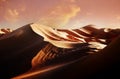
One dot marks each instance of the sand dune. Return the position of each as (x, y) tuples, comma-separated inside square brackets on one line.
[(104, 64), (18, 48)]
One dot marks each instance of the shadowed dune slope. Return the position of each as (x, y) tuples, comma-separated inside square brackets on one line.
[(17, 50)]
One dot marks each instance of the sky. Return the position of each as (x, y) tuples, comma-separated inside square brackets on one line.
[(60, 13)]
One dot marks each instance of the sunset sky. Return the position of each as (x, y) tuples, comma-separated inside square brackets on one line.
[(60, 13)]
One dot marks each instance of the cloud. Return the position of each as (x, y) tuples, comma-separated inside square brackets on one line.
[(11, 15), (3, 0), (73, 1), (118, 17), (58, 14), (61, 14), (70, 14), (89, 13)]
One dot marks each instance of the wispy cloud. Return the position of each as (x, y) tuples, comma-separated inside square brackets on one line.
[(11, 15), (61, 14), (3, 0), (118, 17)]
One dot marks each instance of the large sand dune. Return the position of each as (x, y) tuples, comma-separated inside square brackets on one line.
[(18, 48)]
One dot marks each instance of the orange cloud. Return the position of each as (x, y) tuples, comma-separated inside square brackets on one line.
[(3, 0), (89, 13), (70, 14), (60, 15), (118, 17), (11, 15), (73, 0)]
